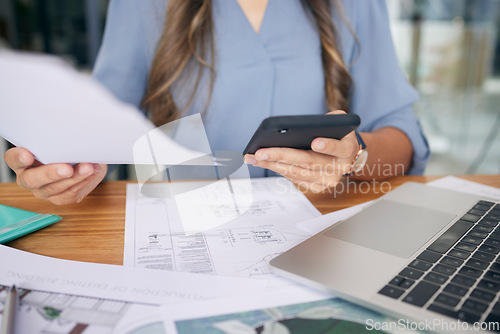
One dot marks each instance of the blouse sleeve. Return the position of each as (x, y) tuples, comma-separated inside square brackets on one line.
[(121, 64), (382, 96)]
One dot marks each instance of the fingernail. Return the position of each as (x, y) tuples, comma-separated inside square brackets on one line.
[(85, 170), (319, 145), (250, 160), (262, 156), (22, 160), (63, 172)]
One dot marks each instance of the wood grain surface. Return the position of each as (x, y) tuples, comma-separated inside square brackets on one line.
[(93, 230)]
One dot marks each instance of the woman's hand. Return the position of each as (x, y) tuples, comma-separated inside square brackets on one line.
[(58, 183), (314, 170)]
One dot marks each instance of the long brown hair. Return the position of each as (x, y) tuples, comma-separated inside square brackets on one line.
[(186, 49)]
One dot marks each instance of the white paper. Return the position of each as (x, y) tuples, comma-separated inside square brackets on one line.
[(229, 240), (42, 312), (63, 116), (30, 271), (458, 184)]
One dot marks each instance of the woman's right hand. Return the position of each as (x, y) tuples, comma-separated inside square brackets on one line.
[(57, 183)]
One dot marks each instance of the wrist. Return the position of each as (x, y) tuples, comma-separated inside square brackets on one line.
[(361, 157)]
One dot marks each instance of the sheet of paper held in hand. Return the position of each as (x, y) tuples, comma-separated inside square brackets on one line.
[(229, 228), (63, 116), (59, 296)]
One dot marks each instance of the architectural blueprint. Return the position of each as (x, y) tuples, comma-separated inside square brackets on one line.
[(216, 230), (43, 312), (59, 296)]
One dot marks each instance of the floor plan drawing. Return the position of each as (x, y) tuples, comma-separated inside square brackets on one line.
[(232, 243), (42, 312)]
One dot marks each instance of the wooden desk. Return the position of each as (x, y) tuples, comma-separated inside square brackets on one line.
[(93, 230)]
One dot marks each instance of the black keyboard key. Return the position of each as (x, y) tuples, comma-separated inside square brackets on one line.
[(471, 272), (421, 293), (391, 291), (492, 242), (435, 278), (496, 308), (495, 266), (483, 256), (429, 256), (450, 237), (451, 261), (411, 273), (483, 228), (455, 290), (447, 300), (487, 204), (493, 216), (489, 249), (475, 306), (481, 207), (402, 282), (463, 280), (495, 234), (488, 285), (466, 247), (492, 276), (421, 265), (478, 264), (472, 240), (460, 315), (407, 283), (482, 295), (477, 234), (492, 322), (488, 222), (477, 212), (470, 218), (460, 254), (445, 270), (397, 280)]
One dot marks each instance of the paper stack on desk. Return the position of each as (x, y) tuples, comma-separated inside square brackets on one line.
[(60, 296)]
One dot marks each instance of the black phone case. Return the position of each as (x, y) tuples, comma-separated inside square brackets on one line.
[(299, 131)]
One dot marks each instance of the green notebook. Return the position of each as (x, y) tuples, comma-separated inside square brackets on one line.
[(15, 223)]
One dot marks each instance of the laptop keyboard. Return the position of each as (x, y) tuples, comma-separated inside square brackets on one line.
[(458, 275)]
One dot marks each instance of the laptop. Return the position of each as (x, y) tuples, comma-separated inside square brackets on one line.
[(418, 252)]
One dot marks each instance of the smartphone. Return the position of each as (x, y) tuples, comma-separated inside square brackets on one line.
[(299, 131)]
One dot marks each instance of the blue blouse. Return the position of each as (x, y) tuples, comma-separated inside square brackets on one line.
[(277, 71)]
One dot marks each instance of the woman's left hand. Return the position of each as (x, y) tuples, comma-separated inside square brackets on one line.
[(314, 170)]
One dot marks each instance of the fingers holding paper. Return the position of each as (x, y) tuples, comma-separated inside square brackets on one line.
[(57, 183), (84, 179)]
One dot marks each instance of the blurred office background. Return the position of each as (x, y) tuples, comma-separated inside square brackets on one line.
[(449, 49)]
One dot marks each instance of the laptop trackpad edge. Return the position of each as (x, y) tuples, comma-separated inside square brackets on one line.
[(392, 227)]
